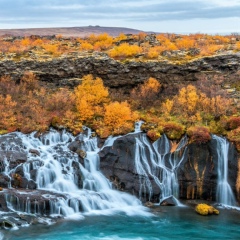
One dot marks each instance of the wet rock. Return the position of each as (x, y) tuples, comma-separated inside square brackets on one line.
[(81, 153), (4, 180), (33, 174), (6, 224), (31, 184), (149, 204), (20, 171), (34, 151), (170, 201), (23, 183)]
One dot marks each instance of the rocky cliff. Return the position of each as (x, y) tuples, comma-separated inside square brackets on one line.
[(190, 172), (68, 70)]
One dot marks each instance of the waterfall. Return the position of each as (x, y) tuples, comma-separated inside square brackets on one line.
[(69, 187), (224, 192), (155, 164)]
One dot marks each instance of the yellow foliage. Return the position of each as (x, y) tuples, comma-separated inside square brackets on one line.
[(120, 37), (167, 106), (187, 98), (53, 49), (185, 43), (238, 46), (204, 209), (125, 50), (85, 46), (90, 96), (118, 116)]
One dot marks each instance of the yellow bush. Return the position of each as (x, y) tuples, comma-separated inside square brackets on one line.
[(125, 50), (90, 97), (119, 117), (204, 209)]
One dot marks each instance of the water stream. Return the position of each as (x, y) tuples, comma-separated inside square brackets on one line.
[(225, 194), (58, 171)]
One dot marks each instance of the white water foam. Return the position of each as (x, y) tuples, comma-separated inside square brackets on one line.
[(56, 173)]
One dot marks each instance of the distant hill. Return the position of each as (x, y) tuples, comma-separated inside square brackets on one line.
[(69, 31)]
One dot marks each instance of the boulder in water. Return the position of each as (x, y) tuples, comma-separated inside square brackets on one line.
[(205, 209), (168, 201)]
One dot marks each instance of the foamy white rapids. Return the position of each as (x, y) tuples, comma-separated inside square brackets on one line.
[(56, 169)]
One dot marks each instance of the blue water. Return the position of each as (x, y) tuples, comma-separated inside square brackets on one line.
[(166, 223)]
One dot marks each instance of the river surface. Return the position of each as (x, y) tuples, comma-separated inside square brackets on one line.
[(165, 223)]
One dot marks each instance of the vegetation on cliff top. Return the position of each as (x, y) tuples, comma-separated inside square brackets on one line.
[(196, 110), (141, 46), (26, 106)]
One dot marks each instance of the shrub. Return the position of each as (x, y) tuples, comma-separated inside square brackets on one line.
[(118, 117), (124, 50), (146, 94), (90, 97), (199, 134), (173, 130), (153, 134), (234, 136), (233, 123)]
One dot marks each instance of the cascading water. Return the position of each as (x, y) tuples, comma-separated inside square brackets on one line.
[(225, 194), (69, 187), (158, 163)]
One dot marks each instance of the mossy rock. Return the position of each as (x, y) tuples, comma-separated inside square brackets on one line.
[(205, 209)]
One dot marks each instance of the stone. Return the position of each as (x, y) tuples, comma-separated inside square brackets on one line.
[(34, 151), (81, 153), (170, 201)]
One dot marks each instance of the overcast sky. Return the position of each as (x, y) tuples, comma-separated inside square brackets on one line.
[(185, 16)]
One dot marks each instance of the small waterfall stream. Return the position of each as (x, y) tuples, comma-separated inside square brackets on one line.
[(155, 161), (225, 194)]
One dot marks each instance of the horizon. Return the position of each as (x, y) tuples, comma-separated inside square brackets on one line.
[(121, 27)]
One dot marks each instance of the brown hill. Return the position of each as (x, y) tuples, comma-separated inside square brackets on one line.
[(68, 31)]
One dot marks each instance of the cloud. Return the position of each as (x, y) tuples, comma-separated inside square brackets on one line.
[(56, 12)]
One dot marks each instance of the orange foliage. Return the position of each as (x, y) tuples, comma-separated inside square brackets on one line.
[(147, 93), (185, 43), (142, 35), (8, 118), (199, 134), (52, 49)]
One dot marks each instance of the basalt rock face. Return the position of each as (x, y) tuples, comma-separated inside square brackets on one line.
[(198, 175), (117, 164), (68, 70), (195, 167)]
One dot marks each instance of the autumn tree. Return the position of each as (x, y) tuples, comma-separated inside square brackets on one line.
[(146, 94), (119, 118), (8, 117), (90, 98)]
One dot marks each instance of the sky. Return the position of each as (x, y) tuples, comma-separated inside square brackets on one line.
[(179, 16)]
